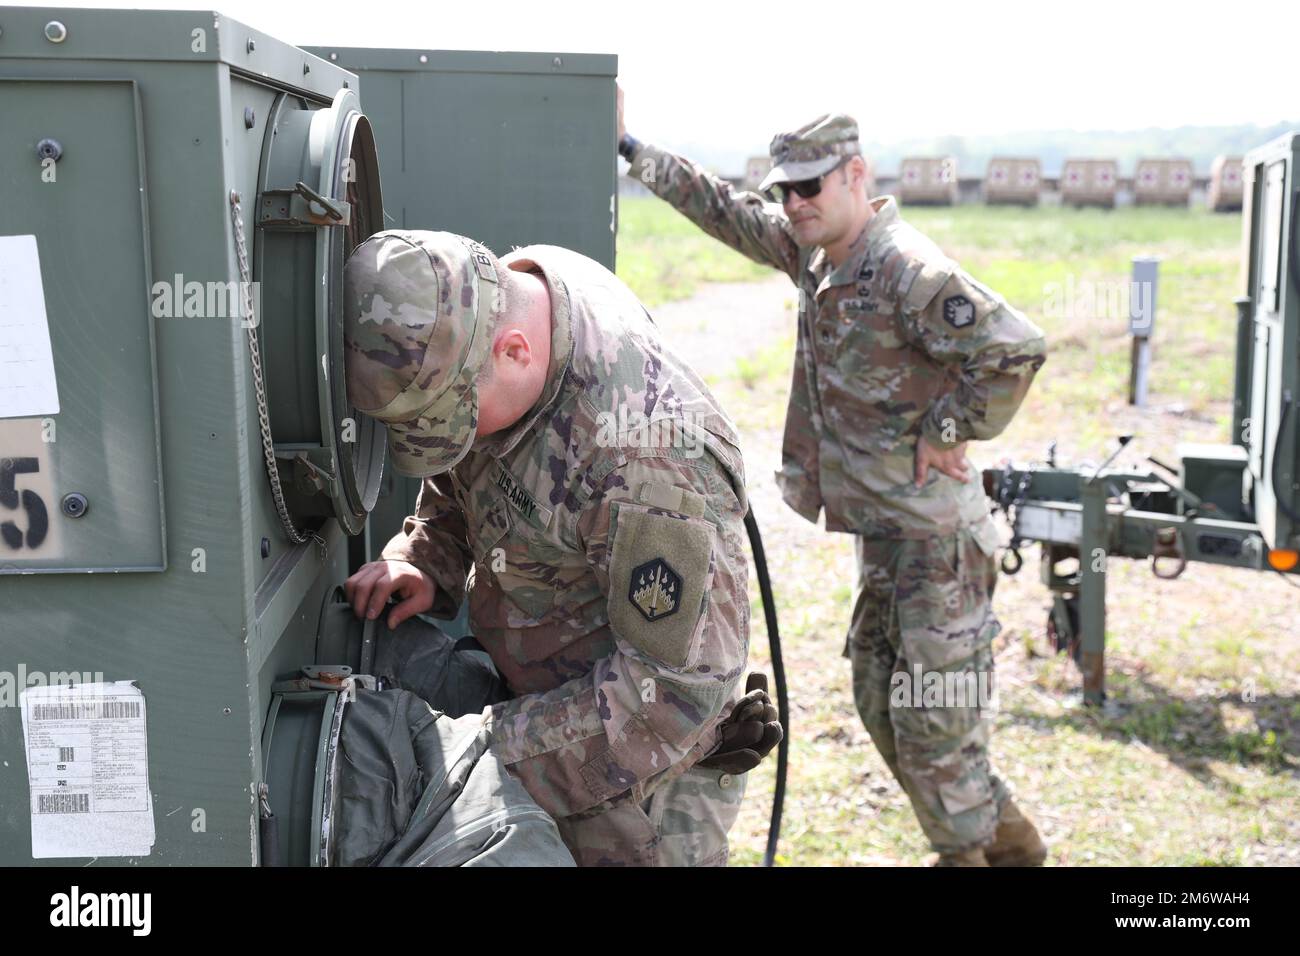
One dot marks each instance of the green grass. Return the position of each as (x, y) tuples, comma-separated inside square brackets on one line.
[(662, 256), (1044, 261)]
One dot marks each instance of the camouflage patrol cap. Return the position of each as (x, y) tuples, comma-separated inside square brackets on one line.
[(813, 149), (418, 309)]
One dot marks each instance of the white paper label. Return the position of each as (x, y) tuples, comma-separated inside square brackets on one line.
[(88, 770), (27, 385)]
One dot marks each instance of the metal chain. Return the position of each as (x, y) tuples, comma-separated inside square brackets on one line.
[(1010, 503), (259, 386)]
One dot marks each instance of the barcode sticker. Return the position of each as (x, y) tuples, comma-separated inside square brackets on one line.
[(87, 710), (88, 770), (63, 803)]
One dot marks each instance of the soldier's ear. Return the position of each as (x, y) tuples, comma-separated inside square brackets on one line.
[(855, 172), (513, 345)]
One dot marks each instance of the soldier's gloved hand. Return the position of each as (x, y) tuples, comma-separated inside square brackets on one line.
[(749, 733)]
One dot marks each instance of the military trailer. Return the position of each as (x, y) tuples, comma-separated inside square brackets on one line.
[(1162, 182), (1089, 182), (1235, 504), (1225, 193), (1013, 180), (756, 167), (928, 181), (183, 482)]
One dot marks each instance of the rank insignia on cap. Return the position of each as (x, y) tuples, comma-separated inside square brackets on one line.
[(656, 589), (958, 311)]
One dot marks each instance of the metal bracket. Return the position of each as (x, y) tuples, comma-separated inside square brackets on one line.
[(1168, 544), (301, 208), (311, 467)]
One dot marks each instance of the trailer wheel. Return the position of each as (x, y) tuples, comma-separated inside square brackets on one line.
[(1064, 633)]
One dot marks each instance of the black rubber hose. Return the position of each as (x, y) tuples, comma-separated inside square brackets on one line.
[(1277, 444), (1295, 249), (778, 676), (268, 832)]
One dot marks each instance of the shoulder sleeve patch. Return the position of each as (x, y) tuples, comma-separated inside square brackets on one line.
[(922, 281), (660, 571), (960, 304)]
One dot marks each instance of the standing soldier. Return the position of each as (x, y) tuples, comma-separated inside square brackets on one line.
[(596, 489), (901, 359)]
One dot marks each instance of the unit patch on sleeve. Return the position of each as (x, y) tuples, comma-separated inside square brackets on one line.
[(660, 574), (656, 589), (958, 311)]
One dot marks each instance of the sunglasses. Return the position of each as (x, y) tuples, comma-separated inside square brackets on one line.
[(804, 188)]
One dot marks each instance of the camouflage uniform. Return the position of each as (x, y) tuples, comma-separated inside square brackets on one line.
[(604, 534), (894, 343)]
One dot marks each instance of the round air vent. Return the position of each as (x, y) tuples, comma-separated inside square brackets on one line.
[(318, 197)]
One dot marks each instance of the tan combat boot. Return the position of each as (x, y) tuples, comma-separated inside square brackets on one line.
[(1016, 842), (973, 857)]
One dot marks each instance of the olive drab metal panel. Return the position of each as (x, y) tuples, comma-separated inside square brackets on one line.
[(1269, 434), (86, 486), (1016, 180), (185, 181), (1089, 182), (1162, 182), (928, 181), (508, 148), (1225, 184)]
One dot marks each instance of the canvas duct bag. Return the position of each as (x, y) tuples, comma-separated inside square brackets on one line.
[(420, 788), (417, 784)]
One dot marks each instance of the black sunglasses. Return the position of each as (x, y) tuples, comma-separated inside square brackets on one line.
[(804, 188)]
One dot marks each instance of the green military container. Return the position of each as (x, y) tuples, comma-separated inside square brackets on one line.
[(1268, 348), (509, 148), (183, 484), (172, 182)]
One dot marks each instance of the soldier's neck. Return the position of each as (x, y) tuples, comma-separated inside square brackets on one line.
[(838, 252)]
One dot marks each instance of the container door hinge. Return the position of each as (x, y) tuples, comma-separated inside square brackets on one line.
[(300, 208)]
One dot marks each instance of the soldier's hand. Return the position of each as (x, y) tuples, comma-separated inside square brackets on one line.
[(621, 127), (749, 733), (370, 588), (951, 462)]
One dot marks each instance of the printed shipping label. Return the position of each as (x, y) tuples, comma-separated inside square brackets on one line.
[(88, 770)]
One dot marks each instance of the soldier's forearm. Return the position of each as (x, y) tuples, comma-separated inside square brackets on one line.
[(437, 555), (742, 220), (575, 747), (986, 398)]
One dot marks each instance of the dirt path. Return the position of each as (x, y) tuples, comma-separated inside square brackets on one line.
[(712, 330)]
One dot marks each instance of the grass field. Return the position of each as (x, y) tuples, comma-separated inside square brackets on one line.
[(1196, 757)]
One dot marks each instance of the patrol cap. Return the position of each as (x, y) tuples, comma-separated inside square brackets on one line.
[(418, 309), (813, 149)]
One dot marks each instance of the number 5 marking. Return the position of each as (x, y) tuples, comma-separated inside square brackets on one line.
[(38, 519)]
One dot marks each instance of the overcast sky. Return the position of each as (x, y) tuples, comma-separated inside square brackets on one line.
[(713, 73)]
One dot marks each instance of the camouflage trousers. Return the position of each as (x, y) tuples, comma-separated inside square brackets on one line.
[(683, 823), (920, 645)]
